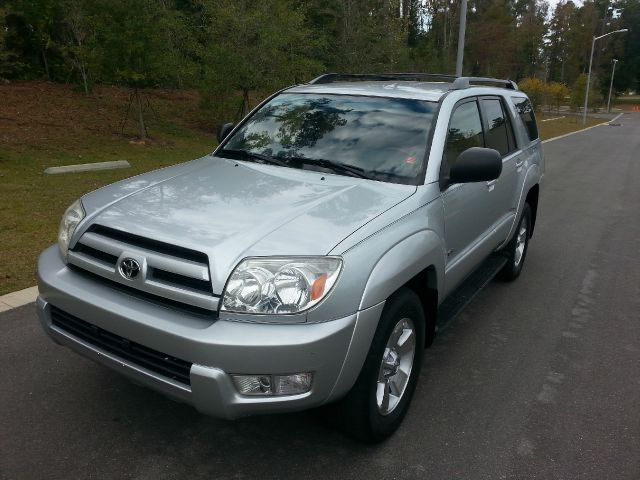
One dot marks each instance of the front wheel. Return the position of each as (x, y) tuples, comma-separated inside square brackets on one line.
[(516, 249), (379, 400)]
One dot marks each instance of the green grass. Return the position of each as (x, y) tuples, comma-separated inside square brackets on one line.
[(635, 100), (32, 203)]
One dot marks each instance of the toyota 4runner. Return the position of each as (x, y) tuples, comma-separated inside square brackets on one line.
[(303, 262)]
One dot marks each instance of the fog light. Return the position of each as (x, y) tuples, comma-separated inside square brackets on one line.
[(273, 384), (253, 384), (292, 384)]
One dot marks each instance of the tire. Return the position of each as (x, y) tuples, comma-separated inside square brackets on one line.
[(363, 413), (516, 250)]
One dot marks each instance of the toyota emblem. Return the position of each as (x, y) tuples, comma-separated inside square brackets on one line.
[(129, 268)]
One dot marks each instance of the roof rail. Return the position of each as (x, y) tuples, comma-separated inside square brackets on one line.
[(457, 83), (466, 82), (363, 77)]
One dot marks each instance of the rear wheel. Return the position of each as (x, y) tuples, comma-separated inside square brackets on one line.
[(516, 250), (379, 400)]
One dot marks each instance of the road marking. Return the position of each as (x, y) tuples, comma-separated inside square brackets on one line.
[(583, 130), (554, 118)]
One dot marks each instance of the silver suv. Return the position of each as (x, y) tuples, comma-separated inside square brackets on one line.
[(303, 263)]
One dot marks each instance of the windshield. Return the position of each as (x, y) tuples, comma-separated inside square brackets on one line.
[(371, 137)]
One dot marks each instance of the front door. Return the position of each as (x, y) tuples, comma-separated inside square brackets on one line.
[(468, 211)]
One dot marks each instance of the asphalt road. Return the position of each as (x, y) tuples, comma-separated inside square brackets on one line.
[(535, 379)]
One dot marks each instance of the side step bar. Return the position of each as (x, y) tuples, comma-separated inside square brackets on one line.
[(467, 291)]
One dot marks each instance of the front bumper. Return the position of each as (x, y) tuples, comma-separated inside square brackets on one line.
[(334, 350)]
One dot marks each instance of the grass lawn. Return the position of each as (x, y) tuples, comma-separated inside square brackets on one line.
[(44, 125), (551, 126), (628, 100)]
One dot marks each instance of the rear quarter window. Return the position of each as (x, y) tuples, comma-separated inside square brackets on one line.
[(525, 111)]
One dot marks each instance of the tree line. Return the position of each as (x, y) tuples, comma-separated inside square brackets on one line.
[(223, 46)]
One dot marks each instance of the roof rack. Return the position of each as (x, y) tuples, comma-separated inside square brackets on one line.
[(457, 83), (373, 77), (466, 82)]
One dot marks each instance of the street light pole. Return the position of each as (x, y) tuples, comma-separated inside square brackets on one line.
[(586, 95), (461, 32), (613, 72)]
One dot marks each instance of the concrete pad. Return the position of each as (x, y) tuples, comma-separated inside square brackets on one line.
[(19, 298), (88, 167)]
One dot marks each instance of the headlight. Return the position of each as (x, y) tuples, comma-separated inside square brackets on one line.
[(70, 220), (280, 285)]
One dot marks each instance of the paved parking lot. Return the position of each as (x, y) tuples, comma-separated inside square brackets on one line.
[(535, 379)]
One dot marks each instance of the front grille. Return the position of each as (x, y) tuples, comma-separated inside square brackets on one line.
[(177, 274), (149, 244), (145, 357), (170, 278), (104, 257), (204, 313)]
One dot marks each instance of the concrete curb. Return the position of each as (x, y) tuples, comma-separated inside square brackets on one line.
[(584, 129), (19, 298), (88, 167)]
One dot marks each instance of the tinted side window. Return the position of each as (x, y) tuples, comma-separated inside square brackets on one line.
[(465, 131), (525, 110), (497, 133)]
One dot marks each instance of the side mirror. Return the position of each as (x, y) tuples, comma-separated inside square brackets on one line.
[(476, 164), (224, 130)]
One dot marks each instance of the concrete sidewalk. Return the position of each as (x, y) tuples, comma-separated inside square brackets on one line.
[(17, 299)]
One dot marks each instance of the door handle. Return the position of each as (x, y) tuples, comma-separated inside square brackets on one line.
[(491, 184), (519, 164)]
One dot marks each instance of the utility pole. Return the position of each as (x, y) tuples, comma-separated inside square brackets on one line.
[(613, 72), (586, 95), (461, 33)]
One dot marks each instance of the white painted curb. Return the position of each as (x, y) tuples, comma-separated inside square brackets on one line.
[(88, 167), (584, 129), (17, 299)]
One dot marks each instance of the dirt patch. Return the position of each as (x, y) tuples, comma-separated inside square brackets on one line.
[(46, 114)]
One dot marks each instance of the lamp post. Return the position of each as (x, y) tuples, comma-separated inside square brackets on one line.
[(586, 95), (613, 72), (461, 32)]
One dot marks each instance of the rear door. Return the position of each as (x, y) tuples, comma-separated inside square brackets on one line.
[(499, 135), (526, 130)]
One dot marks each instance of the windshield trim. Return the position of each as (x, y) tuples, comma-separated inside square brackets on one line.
[(419, 179)]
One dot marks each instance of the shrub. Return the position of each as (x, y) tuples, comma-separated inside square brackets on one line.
[(535, 89)]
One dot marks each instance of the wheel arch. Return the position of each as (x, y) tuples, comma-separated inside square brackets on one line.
[(532, 199), (425, 285), (417, 263)]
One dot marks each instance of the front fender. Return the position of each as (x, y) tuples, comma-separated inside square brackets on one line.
[(401, 263)]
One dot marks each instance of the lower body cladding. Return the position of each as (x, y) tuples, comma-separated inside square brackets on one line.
[(144, 341)]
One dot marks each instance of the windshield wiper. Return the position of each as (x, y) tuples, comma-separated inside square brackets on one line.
[(251, 157), (334, 166)]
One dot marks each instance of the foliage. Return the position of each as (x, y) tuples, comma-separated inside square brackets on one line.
[(254, 46), (7, 57), (535, 89), (550, 94), (222, 47), (578, 91), (628, 68), (557, 93)]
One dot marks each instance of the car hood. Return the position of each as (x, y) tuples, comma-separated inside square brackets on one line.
[(230, 209)]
